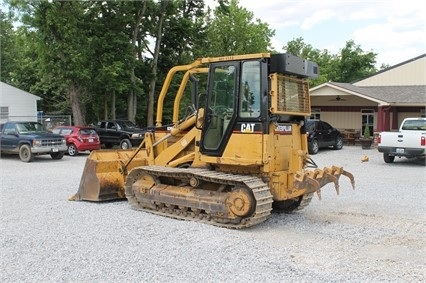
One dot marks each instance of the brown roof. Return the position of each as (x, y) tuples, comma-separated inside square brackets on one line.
[(390, 94)]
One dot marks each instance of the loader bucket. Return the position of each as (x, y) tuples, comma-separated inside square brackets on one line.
[(104, 174)]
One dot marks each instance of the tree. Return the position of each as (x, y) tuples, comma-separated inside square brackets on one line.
[(323, 58), (233, 31), (177, 28), (351, 64), (59, 39), (8, 47), (84, 54), (160, 18), (102, 59), (113, 65), (354, 63)]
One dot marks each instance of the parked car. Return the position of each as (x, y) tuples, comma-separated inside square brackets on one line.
[(79, 138), (28, 139), (123, 133), (409, 141), (321, 135)]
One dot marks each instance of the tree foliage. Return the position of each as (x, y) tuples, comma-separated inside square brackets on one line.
[(108, 59), (233, 30), (8, 54), (351, 64), (354, 63)]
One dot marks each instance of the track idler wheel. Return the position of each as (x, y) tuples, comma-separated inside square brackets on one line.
[(240, 202)]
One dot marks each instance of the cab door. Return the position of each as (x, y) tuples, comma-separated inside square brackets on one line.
[(220, 114), (327, 133), (112, 131), (9, 137)]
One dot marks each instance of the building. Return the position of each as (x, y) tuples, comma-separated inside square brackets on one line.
[(16, 104), (380, 101)]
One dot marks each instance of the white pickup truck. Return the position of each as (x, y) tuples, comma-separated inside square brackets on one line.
[(409, 141)]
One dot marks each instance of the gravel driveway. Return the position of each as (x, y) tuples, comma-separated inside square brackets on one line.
[(375, 233)]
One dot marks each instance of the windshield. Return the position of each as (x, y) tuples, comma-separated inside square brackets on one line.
[(87, 131), (310, 126), (414, 125), (126, 124), (30, 127)]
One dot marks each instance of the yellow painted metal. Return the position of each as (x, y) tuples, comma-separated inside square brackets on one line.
[(177, 149), (194, 67), (176, 104), (278, 157), (314, 180), (243, 149), (105, 171), (104, 174), (166, 86), (235, 57)]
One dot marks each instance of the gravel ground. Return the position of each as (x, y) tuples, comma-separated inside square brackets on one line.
[(374, 233)]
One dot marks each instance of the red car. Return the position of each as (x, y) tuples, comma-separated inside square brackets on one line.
[(79, 138)]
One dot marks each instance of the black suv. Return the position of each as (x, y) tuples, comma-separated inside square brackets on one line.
[(119, 132), (321, 134)]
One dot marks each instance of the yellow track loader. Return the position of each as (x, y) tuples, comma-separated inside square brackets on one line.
[(239, 152)]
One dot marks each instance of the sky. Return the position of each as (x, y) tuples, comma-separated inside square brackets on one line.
[(393, 29)]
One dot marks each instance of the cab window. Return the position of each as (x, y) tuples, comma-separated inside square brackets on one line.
[(249, 101)]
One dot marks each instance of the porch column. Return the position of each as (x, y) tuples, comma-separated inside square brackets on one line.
[(394, 119), (387, 111), (380, 119)]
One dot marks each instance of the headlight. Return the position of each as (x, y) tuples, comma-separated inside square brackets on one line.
[(64, 142), (136, 136), (36, 142)]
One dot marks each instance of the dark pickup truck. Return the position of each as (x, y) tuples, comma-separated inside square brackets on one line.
[(123, 133), (29, 139)]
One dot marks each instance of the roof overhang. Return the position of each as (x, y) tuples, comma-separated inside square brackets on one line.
[(346, 92)]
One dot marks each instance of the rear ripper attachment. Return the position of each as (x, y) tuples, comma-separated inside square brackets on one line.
[(318, 178), (220, 199)]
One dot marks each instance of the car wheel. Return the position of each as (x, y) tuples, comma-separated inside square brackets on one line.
[(25, 153), (338, 144), (313, 147), (72, 150), (388, 158), (125, 144), (57, 155)]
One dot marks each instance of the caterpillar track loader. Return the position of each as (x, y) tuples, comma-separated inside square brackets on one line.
[(239, 152)]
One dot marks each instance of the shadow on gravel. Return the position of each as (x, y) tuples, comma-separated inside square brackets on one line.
[(44, 157), (402, 161), (37, 159)]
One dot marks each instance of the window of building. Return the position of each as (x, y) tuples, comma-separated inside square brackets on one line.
[(4, 112), (315, 113), (367, 119)]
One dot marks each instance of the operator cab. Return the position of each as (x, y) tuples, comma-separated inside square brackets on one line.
[(239, 97), (235, 101)]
